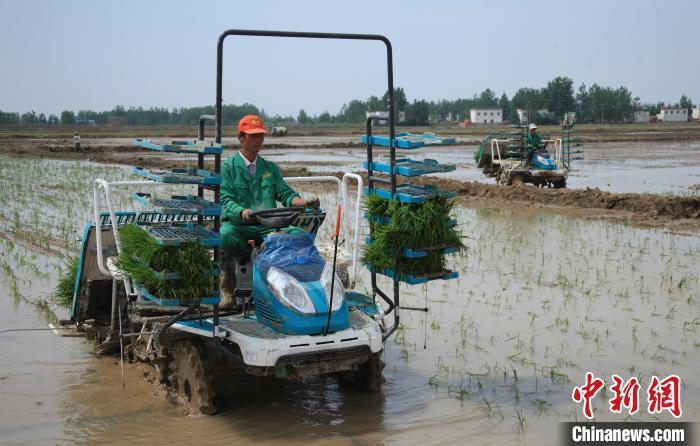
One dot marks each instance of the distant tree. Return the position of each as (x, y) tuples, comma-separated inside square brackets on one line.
[(29, 118), (487, 99), (354, 111), (53, 119), (67, 117), (686, 103), (376, 104), (400, 100), (504, 105), (561, 91), (525, 96), (324, 117), (303, 118), (42, 118), (9, 118), (418, 113), (119, 111)]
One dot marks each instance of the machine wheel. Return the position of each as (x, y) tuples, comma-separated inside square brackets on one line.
[(191, 377), (368, 377), (517, 180), (559, 184)]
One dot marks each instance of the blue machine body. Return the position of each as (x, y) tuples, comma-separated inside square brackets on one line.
[(542, 160), (296, 256)]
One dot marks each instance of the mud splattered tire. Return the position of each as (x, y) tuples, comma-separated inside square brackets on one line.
[(559, 184), (368, 377), (517, 180), (191, 376)]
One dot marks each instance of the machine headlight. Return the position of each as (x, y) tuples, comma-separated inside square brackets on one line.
[(289, 291), (338, 291)]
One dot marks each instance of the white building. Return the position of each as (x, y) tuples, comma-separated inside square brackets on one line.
[(522, 114), (486, 115), (641, 116), (673, 115), (696, 113)]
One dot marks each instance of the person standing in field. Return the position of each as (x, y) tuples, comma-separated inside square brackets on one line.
[(76, 141)]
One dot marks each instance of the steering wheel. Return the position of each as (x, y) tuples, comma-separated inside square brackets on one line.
[(276, 218)]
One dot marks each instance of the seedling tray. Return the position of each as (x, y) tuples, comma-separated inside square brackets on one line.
[(408, 193), (179, 205), (209, 300), (416, 253), (411, 168), (362, 303), (182, 147), (398, 142), (167, 275), (180, 176), (384, 220), (409, 141), (173, 234), (416, 279)]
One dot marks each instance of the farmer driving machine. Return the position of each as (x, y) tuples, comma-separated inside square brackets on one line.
[(148, 280), (511, 160)]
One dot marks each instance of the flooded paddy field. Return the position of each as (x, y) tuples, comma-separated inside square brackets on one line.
[(619, 167), (542, 298)]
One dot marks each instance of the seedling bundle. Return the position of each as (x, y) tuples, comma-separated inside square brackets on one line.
[(185, 272), (419, 235), (63, 294)]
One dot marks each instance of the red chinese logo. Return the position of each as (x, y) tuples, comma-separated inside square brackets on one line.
[(586, 392), (662, 395), (665, 395), (626, 395)]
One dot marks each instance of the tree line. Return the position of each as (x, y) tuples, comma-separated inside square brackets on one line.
[(595, 103)]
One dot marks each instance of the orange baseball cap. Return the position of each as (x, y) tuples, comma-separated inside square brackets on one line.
[(251, 124)]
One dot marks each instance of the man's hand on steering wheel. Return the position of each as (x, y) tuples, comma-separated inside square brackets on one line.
[(314, 202), (308, 203), (245, 215)]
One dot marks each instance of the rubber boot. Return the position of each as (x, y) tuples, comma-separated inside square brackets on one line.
[(227, 282)]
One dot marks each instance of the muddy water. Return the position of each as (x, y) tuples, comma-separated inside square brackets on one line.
[(541, 299), (593, 296), (616, 167)]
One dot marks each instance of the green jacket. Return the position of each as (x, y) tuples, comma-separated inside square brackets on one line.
[(534, 140), (239, 191)]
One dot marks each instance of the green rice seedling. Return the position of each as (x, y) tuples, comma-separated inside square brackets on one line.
[(417, 226), (541, 406), (145, 262), (520, 420), (63, 294), (45, 309), (14, 289)]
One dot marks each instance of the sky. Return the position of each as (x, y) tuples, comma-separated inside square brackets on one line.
[(73, 55)]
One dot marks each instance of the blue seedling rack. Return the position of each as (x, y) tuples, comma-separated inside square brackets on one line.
[(180, 205), (409, 193), (207, 300), (405, 193), (411, 168), (175, 234), (184, 218), (409, 141), (180, 176), (415, 279), (417, 253), (385, 220), (181, 147)]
